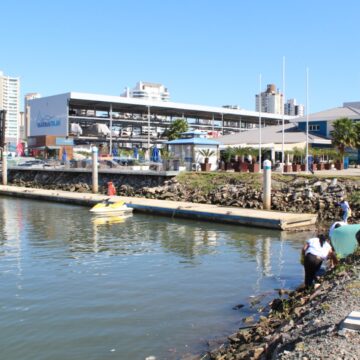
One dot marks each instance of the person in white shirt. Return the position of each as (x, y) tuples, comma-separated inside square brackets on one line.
[(315, 251)]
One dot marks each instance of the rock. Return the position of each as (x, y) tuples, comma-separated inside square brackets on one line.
[(245, 336), (248, 320), (234, 338), (237, 307), (257, 352)]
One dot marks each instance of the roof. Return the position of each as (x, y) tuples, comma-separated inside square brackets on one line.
[(126, 104), (272, 134), (333, 114), (193, 141), (195, 132)]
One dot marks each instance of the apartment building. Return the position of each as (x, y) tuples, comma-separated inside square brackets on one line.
[(293, 109), (147, 90), (271, 100), (9, 101)]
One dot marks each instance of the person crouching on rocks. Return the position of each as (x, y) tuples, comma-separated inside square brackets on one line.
[(315, 251)]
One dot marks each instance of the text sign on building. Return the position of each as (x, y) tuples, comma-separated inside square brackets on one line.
[(48, 116)]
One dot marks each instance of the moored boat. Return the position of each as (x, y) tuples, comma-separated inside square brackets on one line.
[(107, 207)]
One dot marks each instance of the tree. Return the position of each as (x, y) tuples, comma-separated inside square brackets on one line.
[(206, 153), (177, 127), (344, 135), (228, 154), (166, 155), (357, 130), (298, 154), (240, 152)]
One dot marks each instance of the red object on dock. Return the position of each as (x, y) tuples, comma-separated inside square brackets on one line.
[(111, 189)]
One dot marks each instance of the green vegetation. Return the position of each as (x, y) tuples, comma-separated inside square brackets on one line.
[(345, 134), (207, 182), (206, 153), (166, 155), (228, 153), (354, 197), (177, 127)]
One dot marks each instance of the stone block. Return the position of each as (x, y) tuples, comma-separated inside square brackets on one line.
[(352, 321)]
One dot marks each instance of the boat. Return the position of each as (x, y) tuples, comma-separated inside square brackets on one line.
[(107, 207), (343, 239), (109, 219)]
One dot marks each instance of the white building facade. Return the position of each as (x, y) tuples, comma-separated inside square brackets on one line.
[(10, 101), (147, 90)]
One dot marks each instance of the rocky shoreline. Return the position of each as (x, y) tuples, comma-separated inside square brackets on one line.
[(304, 324), (289, 193)]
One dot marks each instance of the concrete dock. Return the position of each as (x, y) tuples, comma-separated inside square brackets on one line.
[(232, 215)]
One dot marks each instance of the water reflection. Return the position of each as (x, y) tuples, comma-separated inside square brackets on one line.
[(149, 283), (74, 230)]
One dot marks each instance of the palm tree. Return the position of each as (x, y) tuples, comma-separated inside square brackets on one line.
[(357, 130), (344, 135), (298, 154), (228, 153), (240, 153), (206, 153)]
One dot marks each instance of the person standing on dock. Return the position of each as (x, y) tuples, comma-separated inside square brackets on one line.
[(346, 209), (315, 251)]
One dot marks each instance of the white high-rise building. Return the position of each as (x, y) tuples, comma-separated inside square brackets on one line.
[(271, 100), (147, 90), (293, 109), (9, 101)]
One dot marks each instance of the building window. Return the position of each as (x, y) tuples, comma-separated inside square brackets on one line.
[(314, 127)]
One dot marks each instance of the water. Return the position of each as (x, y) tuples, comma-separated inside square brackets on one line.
[(74, 287)]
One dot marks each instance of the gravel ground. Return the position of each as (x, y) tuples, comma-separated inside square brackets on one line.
[(304, 324), (319, 334)]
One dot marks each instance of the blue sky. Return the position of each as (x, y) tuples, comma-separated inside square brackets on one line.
[(205, 52)]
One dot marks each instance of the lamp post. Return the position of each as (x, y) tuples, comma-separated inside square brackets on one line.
[(307, 121), (260, 123), (95, 185), (148, 137), (283, 119)]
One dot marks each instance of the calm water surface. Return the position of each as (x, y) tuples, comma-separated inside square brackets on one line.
[(78, 287)]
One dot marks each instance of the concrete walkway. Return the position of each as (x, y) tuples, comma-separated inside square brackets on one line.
[(332, 173), (232, 215)]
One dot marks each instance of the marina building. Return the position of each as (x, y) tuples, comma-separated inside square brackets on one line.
[(9, 101), (272, 138), (320, 123), (128, 122)]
